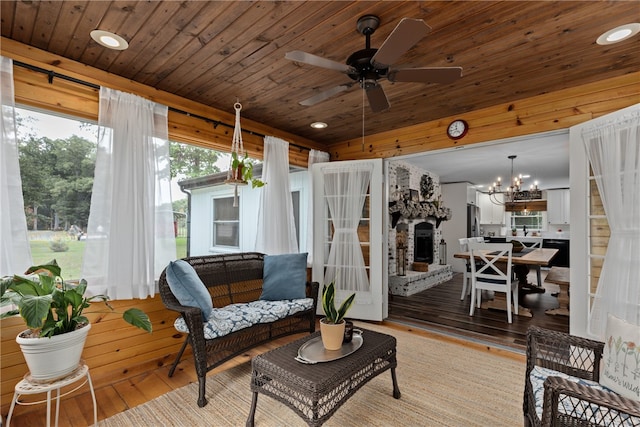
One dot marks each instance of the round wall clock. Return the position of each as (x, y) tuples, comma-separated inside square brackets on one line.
[(457, 129)]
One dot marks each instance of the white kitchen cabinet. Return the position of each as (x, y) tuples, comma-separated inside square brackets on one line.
[(491, 213), (558, 206), (472, 197)]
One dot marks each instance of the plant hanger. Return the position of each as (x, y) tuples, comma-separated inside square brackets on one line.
[(234, 174)]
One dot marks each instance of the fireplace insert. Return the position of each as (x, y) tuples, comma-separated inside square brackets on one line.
[(423, 243)]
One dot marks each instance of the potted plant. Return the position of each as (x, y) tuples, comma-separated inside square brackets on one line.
[(242, 170), (53, 309), (332, 325)]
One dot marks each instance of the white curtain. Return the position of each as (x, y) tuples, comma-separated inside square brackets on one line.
[(15, 253), (276, 226), (130, 236), (614, 153), (315, 156), (345, 192)]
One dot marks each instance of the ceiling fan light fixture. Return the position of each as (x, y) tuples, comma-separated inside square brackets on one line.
[(618, 34), (318, 125), (109, 40)]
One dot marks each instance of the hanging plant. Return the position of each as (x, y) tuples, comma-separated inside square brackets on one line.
[(426, 187), (242, 170)]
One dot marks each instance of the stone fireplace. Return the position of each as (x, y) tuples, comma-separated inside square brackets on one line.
[(418, 235)]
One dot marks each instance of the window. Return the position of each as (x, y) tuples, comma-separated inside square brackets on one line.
[(57, 162), (226, 222), (531, 219)]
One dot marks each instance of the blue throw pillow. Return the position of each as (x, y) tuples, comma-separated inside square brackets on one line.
[(284, 277), (186, 285)]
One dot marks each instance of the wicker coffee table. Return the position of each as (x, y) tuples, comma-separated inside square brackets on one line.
[(315, 392)]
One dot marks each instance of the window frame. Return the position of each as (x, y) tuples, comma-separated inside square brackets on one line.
[(532, 214), (225, 248)]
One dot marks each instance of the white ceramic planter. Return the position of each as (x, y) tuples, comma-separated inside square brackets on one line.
[(55, 357)]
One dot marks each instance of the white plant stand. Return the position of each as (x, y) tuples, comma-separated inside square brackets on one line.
[(28, 386)]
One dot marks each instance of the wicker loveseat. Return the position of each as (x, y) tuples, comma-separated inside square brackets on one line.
[(233, 281), (561, 384)]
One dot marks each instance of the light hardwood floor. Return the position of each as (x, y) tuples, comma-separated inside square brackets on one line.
[(437, 312), (75, 409)]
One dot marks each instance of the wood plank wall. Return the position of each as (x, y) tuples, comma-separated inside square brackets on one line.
[(542, 113), (116, 351), (599, 234)]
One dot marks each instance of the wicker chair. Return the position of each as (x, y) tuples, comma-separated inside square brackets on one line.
[(230, 278), (569, 403)]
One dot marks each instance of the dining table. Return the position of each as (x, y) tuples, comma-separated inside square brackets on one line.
[(533, 257)]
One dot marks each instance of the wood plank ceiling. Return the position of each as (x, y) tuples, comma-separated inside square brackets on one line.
[(217, 52)]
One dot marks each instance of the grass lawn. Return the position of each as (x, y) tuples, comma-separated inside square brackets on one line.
[(71, 261)]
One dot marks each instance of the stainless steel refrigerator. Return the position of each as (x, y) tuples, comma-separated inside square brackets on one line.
[(473, 221)]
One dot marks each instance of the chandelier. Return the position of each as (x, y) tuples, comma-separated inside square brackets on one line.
[(514, 192)]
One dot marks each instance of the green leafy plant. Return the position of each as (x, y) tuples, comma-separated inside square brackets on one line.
[(50, 306), (332, 314), (246, 167)]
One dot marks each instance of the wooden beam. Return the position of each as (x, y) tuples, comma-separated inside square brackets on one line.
[(532, 205), (33, 89)]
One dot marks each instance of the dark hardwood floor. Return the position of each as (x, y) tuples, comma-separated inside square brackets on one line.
[(440, 309)]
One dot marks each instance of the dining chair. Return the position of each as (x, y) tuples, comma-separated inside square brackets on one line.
[(464, 247), (492, 275)]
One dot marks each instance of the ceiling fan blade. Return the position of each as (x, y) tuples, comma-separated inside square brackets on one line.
[(426, 75), (318, 61), (326, 94), (406, 34), (377, 98)]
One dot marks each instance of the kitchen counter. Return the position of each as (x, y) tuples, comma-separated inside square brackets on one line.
[(525, 239), (562, 235)]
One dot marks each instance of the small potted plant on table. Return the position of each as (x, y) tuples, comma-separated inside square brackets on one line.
[(53, 311), (333, 324)]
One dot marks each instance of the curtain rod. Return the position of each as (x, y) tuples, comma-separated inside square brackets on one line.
[(215, 123)]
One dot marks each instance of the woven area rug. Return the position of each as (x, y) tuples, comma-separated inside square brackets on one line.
[(442, 384)]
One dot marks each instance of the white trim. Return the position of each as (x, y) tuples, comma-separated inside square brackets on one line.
[(579, 243)]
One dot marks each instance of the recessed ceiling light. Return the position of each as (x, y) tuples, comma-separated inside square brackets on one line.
[(318, 125), (619, 34), (110, 40)]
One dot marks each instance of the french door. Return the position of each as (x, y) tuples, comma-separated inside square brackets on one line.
[(349, 244)]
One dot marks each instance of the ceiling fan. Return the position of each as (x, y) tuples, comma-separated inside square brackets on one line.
[(369, 65)]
